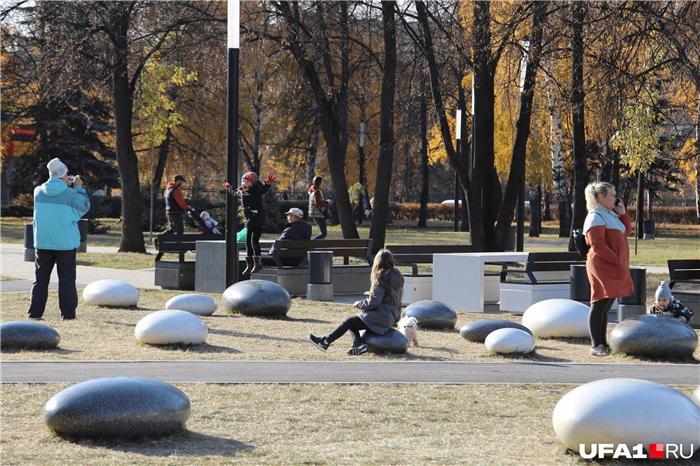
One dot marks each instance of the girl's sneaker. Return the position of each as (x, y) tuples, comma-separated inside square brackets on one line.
[(320, 343), (357, 350)]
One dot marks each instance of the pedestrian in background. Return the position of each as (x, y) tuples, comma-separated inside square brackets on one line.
[(175, 205), (318, 207)]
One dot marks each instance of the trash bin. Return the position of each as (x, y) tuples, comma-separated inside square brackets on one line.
[(639, 278), (510, 242), (29, 242), (320, 276), (649, 230), (634, 304), (580, 287), (83, 228)]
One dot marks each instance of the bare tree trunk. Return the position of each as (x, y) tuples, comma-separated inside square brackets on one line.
[(517, 168), (579, 124), (474, 200), (557, 152), (163, 153), (425, 174), (697, 164), (377, 229), (132, 228)]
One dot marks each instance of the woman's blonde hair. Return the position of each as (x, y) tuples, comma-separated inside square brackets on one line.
[(382, 266), (594, 190), (318, 179)]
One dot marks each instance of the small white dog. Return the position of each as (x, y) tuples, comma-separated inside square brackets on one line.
[(409, 327)]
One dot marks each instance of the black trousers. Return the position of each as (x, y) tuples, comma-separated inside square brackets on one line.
[(252, 241), (598, 321), (67, 293), (354, 324), (175, 224)]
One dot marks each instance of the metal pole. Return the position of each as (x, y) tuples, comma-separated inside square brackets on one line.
[(232, 141), (150, 230), (361, 153), (458, 134)]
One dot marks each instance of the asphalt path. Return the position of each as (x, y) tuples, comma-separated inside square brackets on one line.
[(350, 372)]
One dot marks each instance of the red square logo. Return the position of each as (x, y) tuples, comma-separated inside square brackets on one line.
[(656, 450)]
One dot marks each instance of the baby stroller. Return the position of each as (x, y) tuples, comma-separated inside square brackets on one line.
[(204, 222)]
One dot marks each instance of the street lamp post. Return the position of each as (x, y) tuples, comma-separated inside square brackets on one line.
[(231, 141), (458, 137), (361, 153)]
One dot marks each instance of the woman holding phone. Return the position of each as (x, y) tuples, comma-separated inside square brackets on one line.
[(607, 227)]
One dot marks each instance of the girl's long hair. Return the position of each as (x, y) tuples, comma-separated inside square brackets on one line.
[(382, 266)]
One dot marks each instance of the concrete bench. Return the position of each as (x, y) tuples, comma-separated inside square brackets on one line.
[(687, 271), (179, 274), (347, 278), (544, 275), (210, 266), (419, 286)]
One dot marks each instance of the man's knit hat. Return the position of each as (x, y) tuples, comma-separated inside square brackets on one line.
[(663, 291), (57, 169), (250, 176)]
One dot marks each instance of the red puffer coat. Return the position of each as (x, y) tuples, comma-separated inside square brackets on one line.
[(608, 260)]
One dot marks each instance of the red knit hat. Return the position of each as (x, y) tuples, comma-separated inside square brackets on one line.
[(250, 176)]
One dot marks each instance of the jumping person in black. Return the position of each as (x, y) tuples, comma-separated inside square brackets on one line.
[(250, 193)]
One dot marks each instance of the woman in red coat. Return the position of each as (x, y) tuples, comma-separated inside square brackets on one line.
[(608, 262)]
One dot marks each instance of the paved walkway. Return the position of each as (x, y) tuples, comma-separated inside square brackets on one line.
[(424, 372), (13, 265)]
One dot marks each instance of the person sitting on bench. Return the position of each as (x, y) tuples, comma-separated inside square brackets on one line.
[(296, 229)]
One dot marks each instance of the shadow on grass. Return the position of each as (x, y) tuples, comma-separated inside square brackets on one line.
[(524, 357), (203, 348), (47, 351), (181, 443), (119, 323)]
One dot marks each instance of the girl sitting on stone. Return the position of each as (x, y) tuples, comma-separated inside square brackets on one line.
[(380, 311)]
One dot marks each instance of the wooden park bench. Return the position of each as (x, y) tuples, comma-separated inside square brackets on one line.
[(544, 275), (419, 287), (347, 278)]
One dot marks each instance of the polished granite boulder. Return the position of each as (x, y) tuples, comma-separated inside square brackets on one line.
[(199, 304), (171, 327), (128, 407), (478, 330), (510, 340), (432, 314), (392, 341), (655, 336), (111, 292), (28, 335), (626, 411), (257, 298), (557, 318)]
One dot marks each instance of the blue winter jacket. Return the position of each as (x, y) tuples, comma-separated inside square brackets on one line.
[(57, 209)]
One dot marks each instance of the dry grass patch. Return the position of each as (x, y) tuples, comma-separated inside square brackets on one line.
[(104, 333), (317, 424)]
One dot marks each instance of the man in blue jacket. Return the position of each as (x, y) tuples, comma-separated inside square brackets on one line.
[(57, 209)]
